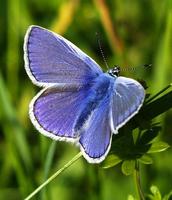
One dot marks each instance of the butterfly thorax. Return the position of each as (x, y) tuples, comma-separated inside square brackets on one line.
[(114, 71)]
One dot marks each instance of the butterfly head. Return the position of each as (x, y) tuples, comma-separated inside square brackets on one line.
[(114, 71)]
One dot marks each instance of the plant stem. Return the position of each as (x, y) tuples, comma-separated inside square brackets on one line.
[(136, 175), (74, 159)]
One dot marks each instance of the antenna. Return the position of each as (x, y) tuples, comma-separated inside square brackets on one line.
[(101, 51), (128, 68)]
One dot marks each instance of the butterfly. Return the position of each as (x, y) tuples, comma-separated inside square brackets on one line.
[(79, 103)]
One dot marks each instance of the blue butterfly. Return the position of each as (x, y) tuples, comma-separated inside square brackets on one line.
[(78, 103)]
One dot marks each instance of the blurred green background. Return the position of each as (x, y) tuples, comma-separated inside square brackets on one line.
[(132, 33)]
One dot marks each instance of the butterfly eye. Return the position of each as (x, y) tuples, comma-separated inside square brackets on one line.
[(114, 71)]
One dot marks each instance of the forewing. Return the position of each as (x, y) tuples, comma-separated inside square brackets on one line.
[(51, 59), (95, 140), (53, 112), (128, 97)]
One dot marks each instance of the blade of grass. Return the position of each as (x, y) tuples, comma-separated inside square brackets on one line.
[(24, 181), (162, 73), (114, 40), (73, 160), (160, 92), (65, 16), (48, 164), (152, 110), (15, 129), (13, 16)]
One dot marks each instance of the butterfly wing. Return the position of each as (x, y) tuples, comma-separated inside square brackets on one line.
[(128, 97), (53, 112), (95, 132), (51, 59), (95, 140)]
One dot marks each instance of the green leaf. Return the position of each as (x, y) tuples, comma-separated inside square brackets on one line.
[(111, 161), (128, 167), (156, 193), (168, 196), (130, 197), (158, 147), (149, 135), (145, 159)]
